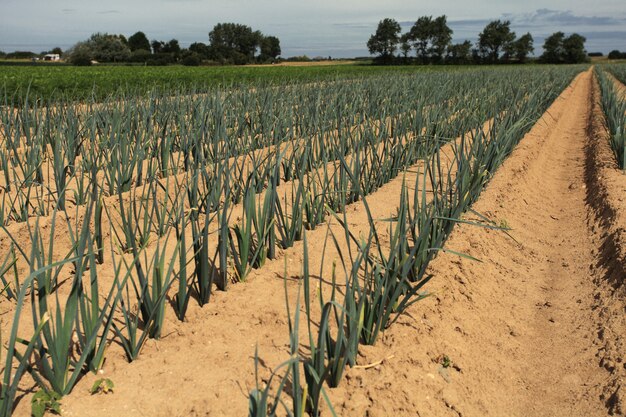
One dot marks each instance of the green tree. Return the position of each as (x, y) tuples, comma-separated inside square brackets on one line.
[(270, 48), (440, 38), (519, 49), (574, 48), (190, 58), (431, 37), (420, 34), (494, 38), (384, 42), (405, 45), (233, 42), (138, 41), (171, 47), (553, 52), (460, 53), (157, 46), (523, 47), (101, 47), (200, 48), (80, 54)]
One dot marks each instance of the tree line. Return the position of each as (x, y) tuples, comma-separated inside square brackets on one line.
[(429, 41), (229, 43)]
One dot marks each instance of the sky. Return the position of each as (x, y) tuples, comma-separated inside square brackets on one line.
[(322, 28)]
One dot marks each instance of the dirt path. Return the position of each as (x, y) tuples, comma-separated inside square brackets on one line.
[(560, 366)]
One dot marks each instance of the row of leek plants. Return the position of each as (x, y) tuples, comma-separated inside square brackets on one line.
[(614, 107), (49, 149), (382, 280), (151, 252)]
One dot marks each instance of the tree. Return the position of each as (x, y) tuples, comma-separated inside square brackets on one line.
[(440, 38), (553, 51), (171, 47), (138, 41), (101, 47), (190, 58), (574, 48), (495, 37), (430, 37), (420, 34), (405, 45), (200, 48), (80, 54), (233, 42), (270, 48), (522, 47), (157, 46), (558, 49), (460, 53), (384, 42), (615, 54)]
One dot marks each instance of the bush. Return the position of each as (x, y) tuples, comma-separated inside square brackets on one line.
[(140, 55), (615, 54), (191, 59), (80, 59), (21, 55)]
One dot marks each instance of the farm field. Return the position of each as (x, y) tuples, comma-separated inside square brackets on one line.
[(64, 82), (425, 243)]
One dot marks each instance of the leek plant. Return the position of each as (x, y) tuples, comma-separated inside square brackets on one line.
[(614, 107)]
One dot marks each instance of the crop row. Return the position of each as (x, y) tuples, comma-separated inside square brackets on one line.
[(614, 107), (139, 238)]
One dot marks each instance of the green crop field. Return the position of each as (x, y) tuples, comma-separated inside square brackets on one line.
[(55, 82), (127, 211)]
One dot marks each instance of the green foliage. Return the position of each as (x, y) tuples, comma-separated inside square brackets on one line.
[(138, 41), (495, 37), (102, 47), (559, 49), (615, 54), (385, 41), (102, 385), (234, 43), (63, 83), (44, 401), (520, 48), (167, 170), (614, 107), (460, 53), (430, 37), (270, 48)]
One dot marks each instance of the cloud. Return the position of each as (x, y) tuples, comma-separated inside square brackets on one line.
[(352, 25), (68, 10), (549, 17), (108, 12)]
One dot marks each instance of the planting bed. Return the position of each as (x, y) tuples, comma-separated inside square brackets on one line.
[(520, 312)]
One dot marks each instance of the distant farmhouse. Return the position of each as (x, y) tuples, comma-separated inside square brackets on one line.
[(52, 57)]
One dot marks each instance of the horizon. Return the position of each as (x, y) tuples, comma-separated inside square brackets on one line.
[(334, 30)]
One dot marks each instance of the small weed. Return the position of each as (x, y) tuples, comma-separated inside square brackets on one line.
[(44, 401), (102, 385)]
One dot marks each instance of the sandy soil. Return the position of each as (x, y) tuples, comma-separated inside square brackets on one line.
[(535, 329)]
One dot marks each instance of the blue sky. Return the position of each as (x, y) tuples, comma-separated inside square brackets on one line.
[(326, 27)]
